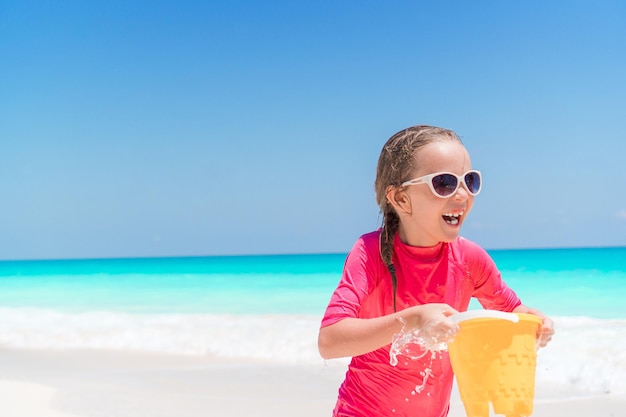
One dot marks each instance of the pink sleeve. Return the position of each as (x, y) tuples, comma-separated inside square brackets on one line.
[(359, 275), (489, 288)]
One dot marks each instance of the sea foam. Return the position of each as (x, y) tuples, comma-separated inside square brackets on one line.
[(586, 356)]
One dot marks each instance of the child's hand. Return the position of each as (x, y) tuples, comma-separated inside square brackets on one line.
[(546, 331), (431, 320)]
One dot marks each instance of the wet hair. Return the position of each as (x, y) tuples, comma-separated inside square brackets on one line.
[(396, 164)]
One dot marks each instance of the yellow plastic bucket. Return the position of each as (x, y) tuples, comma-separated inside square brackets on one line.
[(494, 356)]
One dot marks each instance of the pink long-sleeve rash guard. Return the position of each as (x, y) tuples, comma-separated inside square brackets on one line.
[(448, 273)]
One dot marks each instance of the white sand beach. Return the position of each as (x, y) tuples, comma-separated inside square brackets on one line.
[(102, 383)]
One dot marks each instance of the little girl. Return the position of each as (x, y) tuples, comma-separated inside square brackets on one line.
[(410, 275)]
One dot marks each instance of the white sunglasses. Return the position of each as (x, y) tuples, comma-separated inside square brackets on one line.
[(445, 184)]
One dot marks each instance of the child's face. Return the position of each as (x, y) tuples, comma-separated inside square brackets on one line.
[(427, 219)]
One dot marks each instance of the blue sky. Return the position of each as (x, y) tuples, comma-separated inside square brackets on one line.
[(132, 128)]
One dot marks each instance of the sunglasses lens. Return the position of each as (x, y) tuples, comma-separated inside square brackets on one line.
[(445, 184), (472, 180)]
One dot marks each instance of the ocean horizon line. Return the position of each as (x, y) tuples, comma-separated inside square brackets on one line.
[(282, 254)]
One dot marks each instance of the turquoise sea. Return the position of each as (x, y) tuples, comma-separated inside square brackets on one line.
[(269, 307), (563, 282)]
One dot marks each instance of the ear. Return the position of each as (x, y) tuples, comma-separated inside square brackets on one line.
[(399, 199)]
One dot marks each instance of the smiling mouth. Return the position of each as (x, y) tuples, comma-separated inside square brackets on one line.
[(452, 218)]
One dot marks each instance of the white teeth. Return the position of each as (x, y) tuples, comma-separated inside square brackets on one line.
[(453, 218)]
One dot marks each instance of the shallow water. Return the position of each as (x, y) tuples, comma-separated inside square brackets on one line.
[(269, 308)]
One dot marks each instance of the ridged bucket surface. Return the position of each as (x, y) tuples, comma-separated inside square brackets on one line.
[(494, 361)]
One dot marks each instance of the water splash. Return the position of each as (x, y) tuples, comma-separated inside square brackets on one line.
[(416, 343), (408, 344), (428, 372)]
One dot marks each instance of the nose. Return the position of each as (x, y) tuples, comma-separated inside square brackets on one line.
[(462, 193)]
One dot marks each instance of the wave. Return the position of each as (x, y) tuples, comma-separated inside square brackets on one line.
[(280, 338), (586, 356)]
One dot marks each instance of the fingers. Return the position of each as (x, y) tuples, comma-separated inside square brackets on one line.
[(440, 331), (448, 311), (543, 340), (447, 327), (546, 331)]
